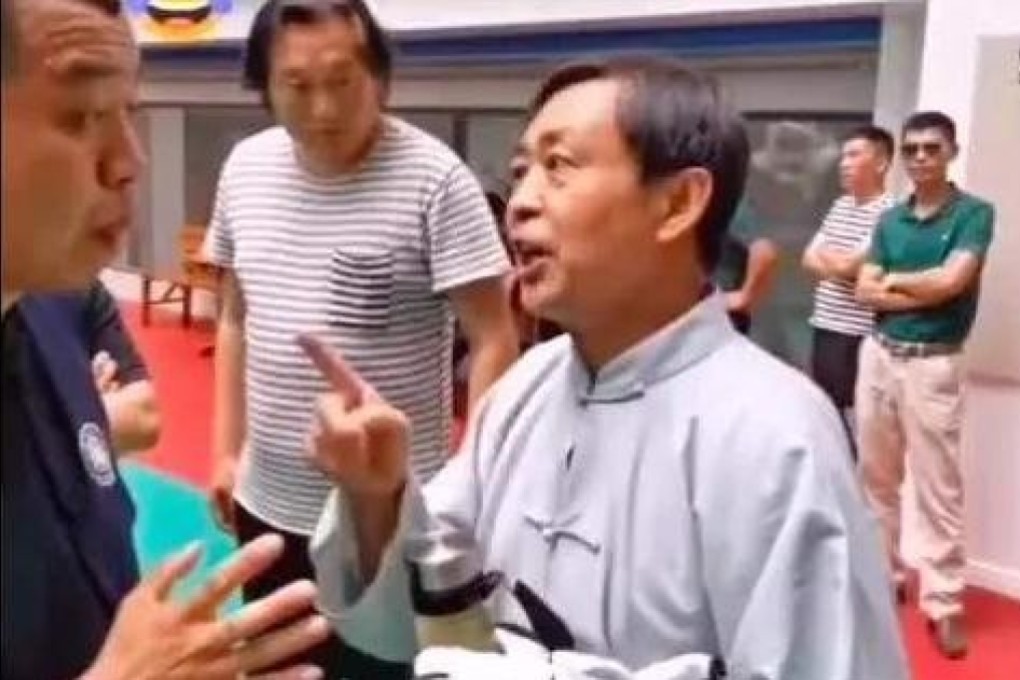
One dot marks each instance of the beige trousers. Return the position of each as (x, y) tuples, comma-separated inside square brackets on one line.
[(909, 413)]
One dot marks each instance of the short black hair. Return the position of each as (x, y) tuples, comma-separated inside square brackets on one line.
[(878, 136), (671, 119), (274, 15), (931, 120)]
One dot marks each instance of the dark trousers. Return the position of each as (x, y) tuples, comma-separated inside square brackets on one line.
[(834, 368), (337, 660)]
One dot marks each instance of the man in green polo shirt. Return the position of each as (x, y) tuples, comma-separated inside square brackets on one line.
[(922, 278)]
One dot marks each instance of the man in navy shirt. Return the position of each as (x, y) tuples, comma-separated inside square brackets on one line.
[(72, 604)]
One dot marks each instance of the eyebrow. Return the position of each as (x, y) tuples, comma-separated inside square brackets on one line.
[(82, 69), (341, 64), (546, 139)]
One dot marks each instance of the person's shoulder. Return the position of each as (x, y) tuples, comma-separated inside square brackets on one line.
[(970, 203), (259, 146), (900, 206), (56, 319), (98, 299), (533, 369), (893, 211), (765, 407), (542, 357), (838, 210), (762, 373), (876, 210), (408, 142), (842, 202)]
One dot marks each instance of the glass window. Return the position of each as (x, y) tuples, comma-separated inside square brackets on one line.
[(490, 140), (441, 125), (135, 253), (209, 135), (793, 180)]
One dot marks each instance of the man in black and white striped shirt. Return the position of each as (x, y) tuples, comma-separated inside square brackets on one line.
[(835, 256), (353, 225)]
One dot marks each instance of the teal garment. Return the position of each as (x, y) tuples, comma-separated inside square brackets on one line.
[(905, 243), (170, 516), (744, 229)]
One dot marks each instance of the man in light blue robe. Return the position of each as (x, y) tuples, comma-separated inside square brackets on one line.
[(667, 488)]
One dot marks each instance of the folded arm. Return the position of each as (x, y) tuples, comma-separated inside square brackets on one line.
[(829, 263), (134, 416), (873, 291), (936, 286)]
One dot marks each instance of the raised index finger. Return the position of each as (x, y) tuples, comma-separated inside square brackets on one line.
[(335, 370)]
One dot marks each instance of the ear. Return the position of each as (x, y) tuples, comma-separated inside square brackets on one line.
[(685, 198), (954, 150), (885, 166)]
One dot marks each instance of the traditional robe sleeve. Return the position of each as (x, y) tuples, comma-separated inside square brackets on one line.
[(376, 617), (792, 561)]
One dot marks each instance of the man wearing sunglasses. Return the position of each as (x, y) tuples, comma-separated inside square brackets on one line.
[(922, 277)]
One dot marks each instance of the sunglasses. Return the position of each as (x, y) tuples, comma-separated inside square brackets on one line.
[(912, 149)]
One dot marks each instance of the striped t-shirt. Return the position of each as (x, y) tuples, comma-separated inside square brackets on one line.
[(362, 260), (847, 227)]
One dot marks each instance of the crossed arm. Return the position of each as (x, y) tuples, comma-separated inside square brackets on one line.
[(121, 376), (829, 263), (906, 291)]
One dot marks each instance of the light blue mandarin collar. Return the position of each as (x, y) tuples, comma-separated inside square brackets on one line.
[(671, 349)]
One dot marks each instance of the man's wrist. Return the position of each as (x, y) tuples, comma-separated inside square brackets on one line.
[(891, 283), (373, 502)]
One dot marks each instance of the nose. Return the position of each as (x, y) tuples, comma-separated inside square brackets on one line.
[(525, 201), (123, 158), (324, 108)]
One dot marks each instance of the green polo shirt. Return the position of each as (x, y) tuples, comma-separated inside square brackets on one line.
[(904, 243)]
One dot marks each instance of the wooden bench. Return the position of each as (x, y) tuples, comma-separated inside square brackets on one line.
[(178, 287)]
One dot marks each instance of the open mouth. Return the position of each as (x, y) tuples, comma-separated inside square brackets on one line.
[(530, 260), (528, 253)]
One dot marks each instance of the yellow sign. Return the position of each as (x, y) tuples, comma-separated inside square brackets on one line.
[(189, 21)]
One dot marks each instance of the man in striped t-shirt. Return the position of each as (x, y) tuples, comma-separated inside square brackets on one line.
[(835, 256), (353, 225)]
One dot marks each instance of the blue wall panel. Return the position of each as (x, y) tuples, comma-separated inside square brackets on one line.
[(777, 38)]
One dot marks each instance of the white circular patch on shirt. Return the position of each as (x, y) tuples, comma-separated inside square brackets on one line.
[(95, 453)]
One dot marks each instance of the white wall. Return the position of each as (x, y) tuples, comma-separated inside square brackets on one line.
[(899, 72), (992, 430), (166, 179), (948, 70), (434, 16), (949, 63), (439, 15)]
